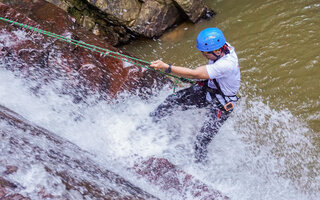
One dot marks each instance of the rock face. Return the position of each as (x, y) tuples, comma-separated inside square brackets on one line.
[(44, 58), (64, 170), (155, 17), (194, 9), (163, 174), (118, 21)]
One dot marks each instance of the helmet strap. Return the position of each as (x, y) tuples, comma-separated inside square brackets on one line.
[(224, 49), (218, 57)]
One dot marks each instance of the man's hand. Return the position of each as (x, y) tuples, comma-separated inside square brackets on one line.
[(158, 64)]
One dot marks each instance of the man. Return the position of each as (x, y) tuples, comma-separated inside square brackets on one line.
[(217, 93)]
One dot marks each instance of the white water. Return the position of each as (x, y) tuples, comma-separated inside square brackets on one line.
[(260, 153), (253, 156)]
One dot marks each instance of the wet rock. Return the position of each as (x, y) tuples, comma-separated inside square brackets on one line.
[(67, 168), (11, 169), (61, 166), (6, 183), (166, 176), (16, 197), (7, 195), (47, 59), (2, 192)]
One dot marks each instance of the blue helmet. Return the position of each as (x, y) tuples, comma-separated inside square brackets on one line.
[(210, 39)]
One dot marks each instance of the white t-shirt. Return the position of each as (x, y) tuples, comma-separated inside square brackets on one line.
[(226, 71)]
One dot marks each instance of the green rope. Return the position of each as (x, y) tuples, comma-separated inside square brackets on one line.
[(97, 49), (174, 87)]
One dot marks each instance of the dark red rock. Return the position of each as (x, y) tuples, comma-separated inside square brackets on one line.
[(53, 58), (60, 160), (168, 177), (16, 197), (11, 169), (2, 192), (7, 184)]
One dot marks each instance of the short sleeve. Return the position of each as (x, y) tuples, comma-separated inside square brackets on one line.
[(215, 70)]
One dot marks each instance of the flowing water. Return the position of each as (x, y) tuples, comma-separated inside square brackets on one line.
[(277, 43), (269, 147)]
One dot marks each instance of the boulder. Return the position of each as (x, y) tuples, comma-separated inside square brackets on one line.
[(120, 11), (194, 9), (155, 17), (120, 21)]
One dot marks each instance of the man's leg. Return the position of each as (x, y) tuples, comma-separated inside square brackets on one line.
[(210, 128), (184, 99)]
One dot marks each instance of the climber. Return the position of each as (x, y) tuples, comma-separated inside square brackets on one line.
[(217, 90)]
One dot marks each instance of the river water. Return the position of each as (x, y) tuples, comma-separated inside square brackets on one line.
[(277, 43), (268, 148)]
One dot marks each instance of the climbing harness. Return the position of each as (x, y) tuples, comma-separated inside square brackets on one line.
[(102, 51), (229, 105)]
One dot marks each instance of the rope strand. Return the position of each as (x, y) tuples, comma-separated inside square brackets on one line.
[(97, 49)]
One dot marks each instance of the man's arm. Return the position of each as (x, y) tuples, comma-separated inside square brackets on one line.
[(197, 73)]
